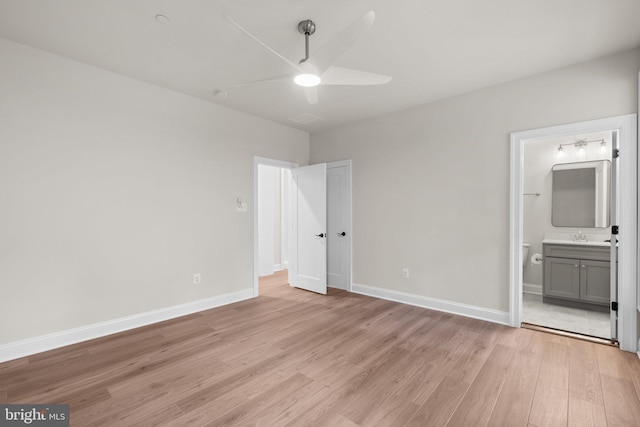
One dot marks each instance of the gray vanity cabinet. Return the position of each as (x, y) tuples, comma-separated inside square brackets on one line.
[(562, 278), (594, 281), (576, 273)]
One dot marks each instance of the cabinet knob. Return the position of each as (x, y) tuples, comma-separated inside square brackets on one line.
[(584, 266), (576, 265)]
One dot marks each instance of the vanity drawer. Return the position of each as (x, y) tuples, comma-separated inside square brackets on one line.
[(598, 253)]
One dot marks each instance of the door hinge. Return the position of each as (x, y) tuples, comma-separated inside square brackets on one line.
[(614, 306), (616, 153), (614, 229)]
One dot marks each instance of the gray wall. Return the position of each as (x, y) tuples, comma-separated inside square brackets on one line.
[(115, 192), (431, 183)]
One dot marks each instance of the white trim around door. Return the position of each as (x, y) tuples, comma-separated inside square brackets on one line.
[(628, 213)]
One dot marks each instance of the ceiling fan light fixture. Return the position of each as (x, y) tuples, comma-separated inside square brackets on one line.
[(307, 80)]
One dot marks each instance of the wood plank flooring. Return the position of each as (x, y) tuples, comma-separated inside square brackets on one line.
[(294, 358)]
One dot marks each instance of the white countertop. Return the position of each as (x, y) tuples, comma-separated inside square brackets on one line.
[(578, 243)]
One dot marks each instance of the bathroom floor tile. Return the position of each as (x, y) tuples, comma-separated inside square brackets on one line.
[(569, 319)]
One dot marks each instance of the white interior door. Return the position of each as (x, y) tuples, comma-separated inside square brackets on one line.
[(309, 228), (339, 225)]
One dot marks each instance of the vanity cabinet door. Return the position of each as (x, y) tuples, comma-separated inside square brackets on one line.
[(562, 277), (594, 281)]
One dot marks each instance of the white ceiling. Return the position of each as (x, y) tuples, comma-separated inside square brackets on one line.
[(432, 48)]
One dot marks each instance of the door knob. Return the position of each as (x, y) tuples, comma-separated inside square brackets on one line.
[(342, 234), (320, 235)]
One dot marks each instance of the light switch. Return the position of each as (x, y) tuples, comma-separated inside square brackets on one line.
[(240, 205)]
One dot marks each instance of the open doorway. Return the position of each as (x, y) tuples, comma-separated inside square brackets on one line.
[(271, 218), (274, 218), (567, 199), (622, 308), (279, 253)]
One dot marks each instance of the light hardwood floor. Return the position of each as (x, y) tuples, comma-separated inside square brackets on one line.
[(291, 357)]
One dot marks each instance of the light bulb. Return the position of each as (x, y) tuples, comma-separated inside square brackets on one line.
[(560, 152), (307, 80), (603, 148)]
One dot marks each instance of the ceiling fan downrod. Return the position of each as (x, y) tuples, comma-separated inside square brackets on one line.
[(306, 27)]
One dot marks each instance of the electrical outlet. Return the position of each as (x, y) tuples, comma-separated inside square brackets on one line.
[(405, 273), (197, 279)]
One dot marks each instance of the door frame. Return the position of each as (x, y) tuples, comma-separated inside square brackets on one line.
[(256, 162), (628, 214)]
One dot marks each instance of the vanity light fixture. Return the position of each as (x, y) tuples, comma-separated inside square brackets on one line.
[(581, 148)]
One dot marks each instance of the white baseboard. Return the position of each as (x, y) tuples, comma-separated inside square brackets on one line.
[(530, 288), (35, 345), (466, 310)]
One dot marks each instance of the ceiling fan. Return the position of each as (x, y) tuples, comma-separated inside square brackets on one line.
[(312, 72)]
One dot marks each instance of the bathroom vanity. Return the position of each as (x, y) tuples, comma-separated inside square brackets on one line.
[(576, 273)]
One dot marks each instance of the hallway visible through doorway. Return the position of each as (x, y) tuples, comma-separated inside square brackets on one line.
[(278, 278)]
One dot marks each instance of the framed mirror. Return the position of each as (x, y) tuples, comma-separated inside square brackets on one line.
[(581, 194)]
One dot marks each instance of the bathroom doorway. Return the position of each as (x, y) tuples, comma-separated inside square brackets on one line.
[(564, 261), (566, 240)]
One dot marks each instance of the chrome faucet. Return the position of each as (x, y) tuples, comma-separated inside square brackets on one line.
[(580, 237)]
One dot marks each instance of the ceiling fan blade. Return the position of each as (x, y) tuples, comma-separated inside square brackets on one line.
[(282, 78), (234, 23), (311, 93), (332, 50), (346, 76)]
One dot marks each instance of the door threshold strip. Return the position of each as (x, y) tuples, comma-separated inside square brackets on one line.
[(575, 335)]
